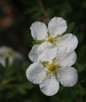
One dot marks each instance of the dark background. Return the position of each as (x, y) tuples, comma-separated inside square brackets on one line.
[(16, 17)]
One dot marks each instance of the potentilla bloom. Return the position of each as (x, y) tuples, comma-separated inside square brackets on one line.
[(48, 72), (6, 52), (53, 34)]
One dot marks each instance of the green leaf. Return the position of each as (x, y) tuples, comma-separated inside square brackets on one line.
[(70, 27), (50, 12), (80, 37), (36, 15), (31, 10), (82, 54), (84, 4)]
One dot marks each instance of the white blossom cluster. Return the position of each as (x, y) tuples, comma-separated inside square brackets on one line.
[(52, 57)]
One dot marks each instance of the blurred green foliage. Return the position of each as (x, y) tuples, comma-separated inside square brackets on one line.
[(14, 87)]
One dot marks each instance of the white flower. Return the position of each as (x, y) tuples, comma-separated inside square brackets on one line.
[(49, 72), (53, 34), (6, 52)]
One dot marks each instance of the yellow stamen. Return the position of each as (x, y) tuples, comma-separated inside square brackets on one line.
[(8, 53), (51, 67), (50, 40)]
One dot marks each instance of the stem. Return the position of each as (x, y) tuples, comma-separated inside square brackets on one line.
[(43, 9)]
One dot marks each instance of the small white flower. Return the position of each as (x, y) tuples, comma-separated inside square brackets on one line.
[(48, 72), (6, 52), (53, 34)]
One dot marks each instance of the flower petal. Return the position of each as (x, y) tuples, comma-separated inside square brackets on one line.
[(46, 51), (33, 53), (5, 49), (69, 41), (2, 60), (57, 26), (38, 30), (35, 73), (66, 58), (49, 86), (68, 76)]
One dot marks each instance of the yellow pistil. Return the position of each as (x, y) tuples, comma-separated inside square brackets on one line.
[(51, 67), (50, 40), (53, 40)]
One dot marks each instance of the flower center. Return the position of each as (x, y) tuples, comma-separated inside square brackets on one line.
[(8, 53), (51, 67), (50, 40)]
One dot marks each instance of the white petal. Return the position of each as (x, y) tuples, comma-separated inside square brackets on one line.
[(2, 60), (69, 41), (68, 76), (33, 53), (5, 49), (66, 58), (35, 73), (57, 26), (38, 30), (49, 86), (11, 59), (46, 51)]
